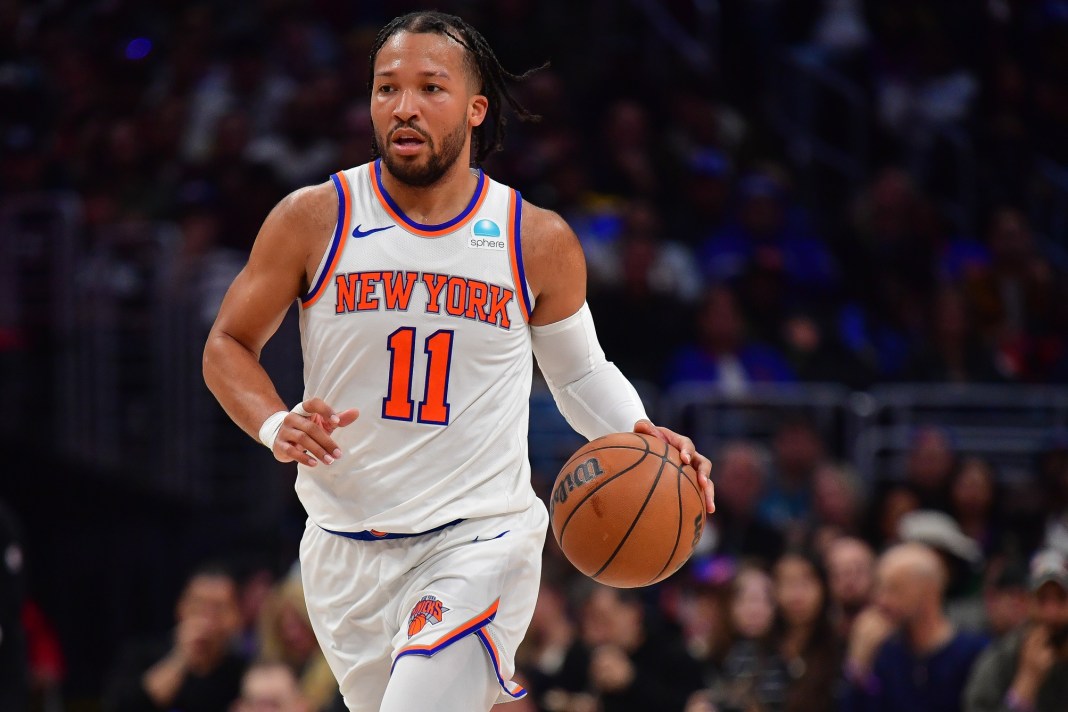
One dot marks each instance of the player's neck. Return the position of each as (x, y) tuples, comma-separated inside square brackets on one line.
[(435, 203)]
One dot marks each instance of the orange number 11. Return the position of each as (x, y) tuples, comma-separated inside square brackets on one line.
[(398, 403)]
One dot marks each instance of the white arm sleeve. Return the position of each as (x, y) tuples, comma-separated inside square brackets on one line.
[(593, 396)]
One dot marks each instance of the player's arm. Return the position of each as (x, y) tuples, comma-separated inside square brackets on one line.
[(592, 394), (287, 249)]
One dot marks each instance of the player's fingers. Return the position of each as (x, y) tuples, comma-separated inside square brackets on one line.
[(709, 490), (347, 417), (289, 452), (647, 427), (316, 405), (318, 440)]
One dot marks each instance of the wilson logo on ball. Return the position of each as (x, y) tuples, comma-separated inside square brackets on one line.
[(583, 473)]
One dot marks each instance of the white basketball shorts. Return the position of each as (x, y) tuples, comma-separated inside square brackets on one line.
[(371, 602)]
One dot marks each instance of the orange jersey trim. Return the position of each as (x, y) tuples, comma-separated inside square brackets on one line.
[(337, 244), (515, 253)]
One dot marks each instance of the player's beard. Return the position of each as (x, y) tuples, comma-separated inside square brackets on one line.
[(437, 162)]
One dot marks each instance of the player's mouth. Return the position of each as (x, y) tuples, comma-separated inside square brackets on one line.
[(406, 142)]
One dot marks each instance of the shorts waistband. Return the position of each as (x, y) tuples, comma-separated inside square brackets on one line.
[(375, 535)]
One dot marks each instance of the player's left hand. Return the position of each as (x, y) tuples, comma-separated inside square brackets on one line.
[(701, 464)]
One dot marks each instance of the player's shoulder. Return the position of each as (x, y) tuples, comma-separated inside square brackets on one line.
[(545, 230), (309, 206)]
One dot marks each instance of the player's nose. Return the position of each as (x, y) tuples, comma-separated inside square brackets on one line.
[(406, 106)]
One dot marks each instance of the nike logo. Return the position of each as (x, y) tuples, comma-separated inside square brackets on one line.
[(358, 233)]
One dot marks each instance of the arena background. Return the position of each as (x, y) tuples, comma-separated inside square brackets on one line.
[(867, 202)]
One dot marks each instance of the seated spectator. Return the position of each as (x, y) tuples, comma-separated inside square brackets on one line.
[(929, 466), (286, 635), (1015, 300), (884, 523), (850, 564), (954, 349), (798, 450), (546, 645), (194, 668), (961, 559), (904, 653), (805, 635), (1027, 670), (753, 675), (1006, 596), (270, 687), (974, 502), (837, 506), (629, 663), (722, 354), (737, 530)]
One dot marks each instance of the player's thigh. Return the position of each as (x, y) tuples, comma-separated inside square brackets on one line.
[(350, 588), (482, 582), (458, 678)]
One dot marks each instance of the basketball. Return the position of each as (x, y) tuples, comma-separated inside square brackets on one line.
[(626, 511)]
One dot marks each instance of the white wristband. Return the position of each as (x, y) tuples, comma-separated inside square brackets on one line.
[(271, 426)]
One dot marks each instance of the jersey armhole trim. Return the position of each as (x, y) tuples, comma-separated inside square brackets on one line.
[(515, 253), (337, 243)]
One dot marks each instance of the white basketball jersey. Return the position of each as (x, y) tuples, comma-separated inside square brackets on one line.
[(424, 329)]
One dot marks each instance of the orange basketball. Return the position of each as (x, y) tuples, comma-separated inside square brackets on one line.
[(626, 511)]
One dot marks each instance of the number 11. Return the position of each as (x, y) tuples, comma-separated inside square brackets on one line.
[(398, 403)]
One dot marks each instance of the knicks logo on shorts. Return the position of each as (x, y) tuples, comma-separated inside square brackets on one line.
[(428, 610)]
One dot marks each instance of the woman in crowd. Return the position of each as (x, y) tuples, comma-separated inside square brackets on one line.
[(804, 634)]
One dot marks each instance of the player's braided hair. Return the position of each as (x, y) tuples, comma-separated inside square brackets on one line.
[(493, 78)]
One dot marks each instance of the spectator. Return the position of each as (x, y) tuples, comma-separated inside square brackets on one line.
[(850, 566), (270, 687), (1006, 597), (837, 505), (286, 635), (806, 637), (798, 450), (904, 654), (722, 354), (753, 675), (193, 669), (974, 502), (545, 648), (630, 663), (930, 463), (961, 558), (1028, 669), (737, 529), (896, 502), (954, 350)]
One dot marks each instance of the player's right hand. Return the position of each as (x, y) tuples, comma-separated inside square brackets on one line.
[(306, 438)]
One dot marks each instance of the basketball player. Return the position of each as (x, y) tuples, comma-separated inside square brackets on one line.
[(424, 287)]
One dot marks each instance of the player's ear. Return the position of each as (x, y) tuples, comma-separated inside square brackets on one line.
[(476, 110)]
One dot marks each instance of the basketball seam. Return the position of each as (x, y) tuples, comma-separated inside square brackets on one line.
[(634, 522), (584, 452), (563, 527), (678, 529)]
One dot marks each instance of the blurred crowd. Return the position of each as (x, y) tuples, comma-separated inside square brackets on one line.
[(708, 233)]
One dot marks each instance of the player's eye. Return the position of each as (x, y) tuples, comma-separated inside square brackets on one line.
[(433, 88), (385, 89)]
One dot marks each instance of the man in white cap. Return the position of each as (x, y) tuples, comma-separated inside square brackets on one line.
[(1027, 671)]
